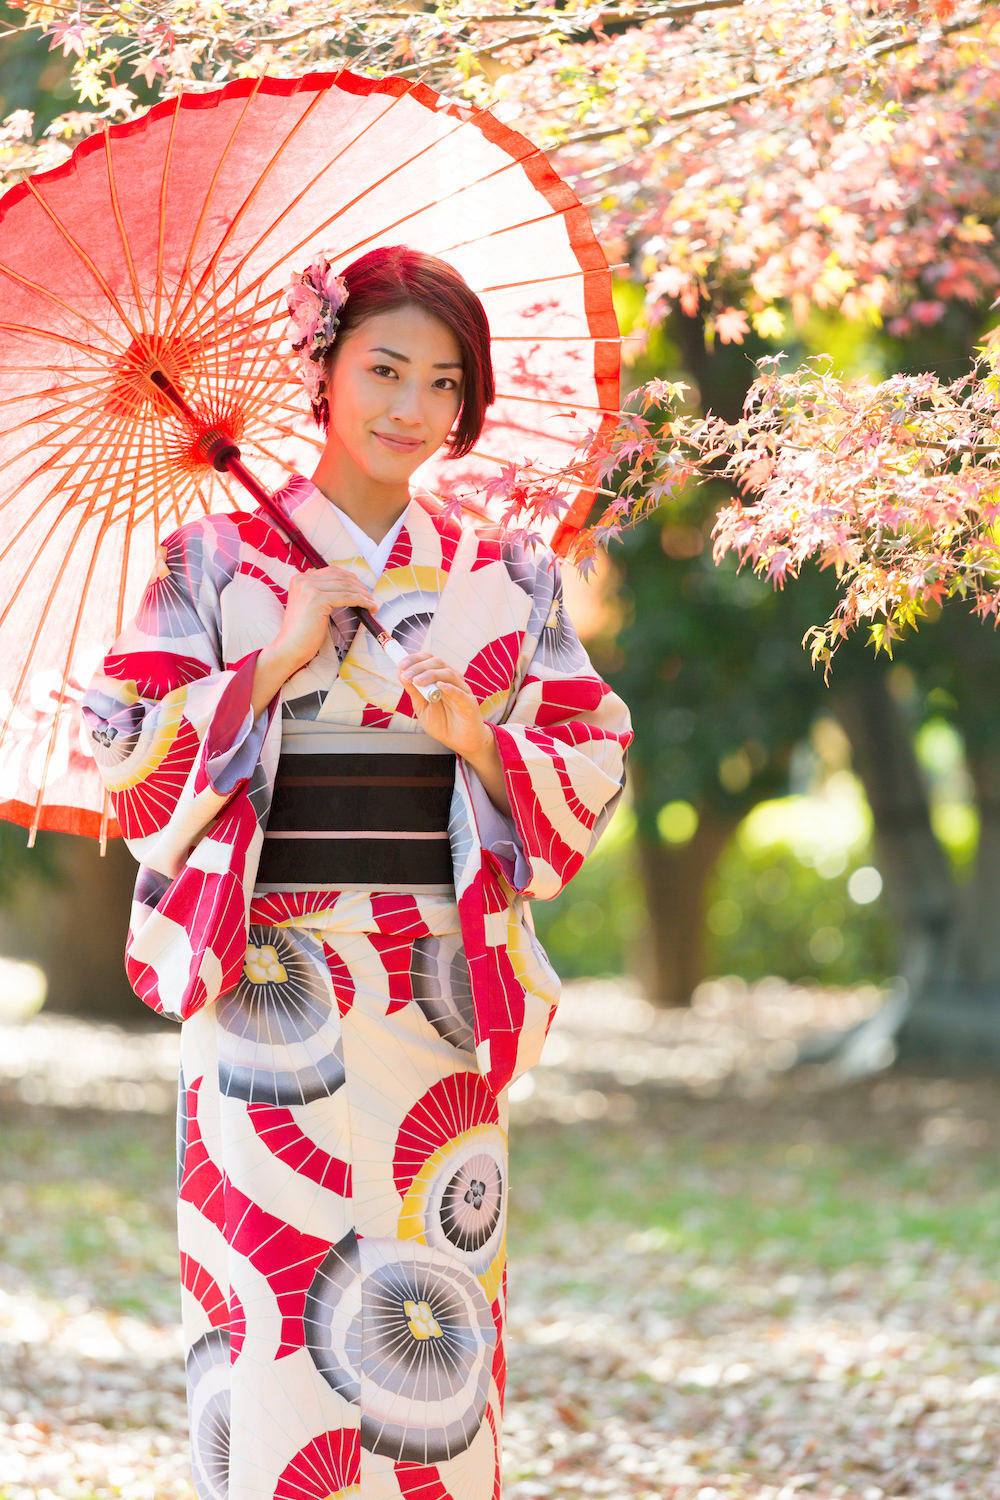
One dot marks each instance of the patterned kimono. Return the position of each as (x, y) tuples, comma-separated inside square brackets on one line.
[(345, 1047)]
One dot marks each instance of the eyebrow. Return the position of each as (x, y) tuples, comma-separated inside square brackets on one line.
[(395, 354)]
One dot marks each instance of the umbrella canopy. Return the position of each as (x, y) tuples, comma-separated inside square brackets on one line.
[(164, 245)]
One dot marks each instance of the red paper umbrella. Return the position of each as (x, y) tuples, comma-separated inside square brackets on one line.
[(160, 251)]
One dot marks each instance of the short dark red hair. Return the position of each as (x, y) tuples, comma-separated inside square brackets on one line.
[(395, 276)]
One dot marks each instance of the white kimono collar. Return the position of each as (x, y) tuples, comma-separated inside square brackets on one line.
[(335, 535)]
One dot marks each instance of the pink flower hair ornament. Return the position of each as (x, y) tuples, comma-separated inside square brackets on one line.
[(315, 299)]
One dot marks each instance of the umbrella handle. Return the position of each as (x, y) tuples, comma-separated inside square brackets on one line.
[(218, 449)]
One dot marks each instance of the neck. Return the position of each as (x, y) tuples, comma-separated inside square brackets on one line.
[(373, 506)]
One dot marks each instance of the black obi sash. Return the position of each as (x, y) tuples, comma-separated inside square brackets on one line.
[(370, 820)]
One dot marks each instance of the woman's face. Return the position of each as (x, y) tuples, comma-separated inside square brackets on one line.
[(395, 390)]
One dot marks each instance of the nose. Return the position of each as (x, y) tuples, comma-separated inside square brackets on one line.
[(407, 404)]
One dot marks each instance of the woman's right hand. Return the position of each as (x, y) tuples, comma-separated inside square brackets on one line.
[(312, 597)]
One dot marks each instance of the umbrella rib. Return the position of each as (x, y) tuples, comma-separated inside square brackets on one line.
[(554, 338), (15, 696), (380, 234), (81, 253), (555, 213), (254, 191), (434, 145), (185, 282), (162, 215), (258, 187), (273, 456), (122, 236), (323, 226), (568, 405), (251, 381), (67, 664), (102, 833), (49, 464), (64, 340), (84, 388), (512, 286), (82, 411)]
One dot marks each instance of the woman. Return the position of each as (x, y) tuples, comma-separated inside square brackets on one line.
[(343, 1165)]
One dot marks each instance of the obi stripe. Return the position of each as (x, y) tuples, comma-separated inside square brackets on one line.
[(360, 819)]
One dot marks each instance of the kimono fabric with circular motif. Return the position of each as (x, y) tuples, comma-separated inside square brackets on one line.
[(342, 1158)]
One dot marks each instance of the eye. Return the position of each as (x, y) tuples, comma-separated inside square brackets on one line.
[(446, 383), (383, 370)]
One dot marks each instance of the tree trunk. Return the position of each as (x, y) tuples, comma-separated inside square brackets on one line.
[(675, 878), (917, 879), (958, 1021), (949, 936), (75, 930)]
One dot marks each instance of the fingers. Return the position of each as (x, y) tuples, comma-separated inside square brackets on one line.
[(330, 587), (423, 670)]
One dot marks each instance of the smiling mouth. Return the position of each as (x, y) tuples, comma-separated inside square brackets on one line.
[(407, 445)]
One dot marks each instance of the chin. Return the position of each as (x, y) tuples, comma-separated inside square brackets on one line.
[(391, 468)]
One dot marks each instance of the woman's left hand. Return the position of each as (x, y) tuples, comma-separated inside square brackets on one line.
[(456, 719)]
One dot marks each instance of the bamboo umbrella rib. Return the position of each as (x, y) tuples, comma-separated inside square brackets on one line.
[(102, 834), (289, 428), (259, 184), (195, 290), (513, 286), (186, 269), (283, 415), (100, 331), (330, 164), (232, 364), (477, 239), (45, 610), (81, 422), (67, 665), (566, 406), (162, 212), (273, 456), (87, 260), (180, 488), (551, 338), (62, 341), (63, 457), (126, 554), (322, 226), (107, 454), (83, 386), (81, 391), (122, 236), (506, 166), (346, 254), (380, 234)]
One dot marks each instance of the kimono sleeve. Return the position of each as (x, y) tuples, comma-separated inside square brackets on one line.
[(562, 747), (171, 724)]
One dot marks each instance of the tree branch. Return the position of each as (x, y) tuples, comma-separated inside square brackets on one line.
[(754, 91)]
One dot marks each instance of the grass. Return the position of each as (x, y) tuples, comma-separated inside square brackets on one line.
[(830, 1206), (95, 1193)]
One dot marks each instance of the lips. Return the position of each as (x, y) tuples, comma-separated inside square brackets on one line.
[(399, 444)]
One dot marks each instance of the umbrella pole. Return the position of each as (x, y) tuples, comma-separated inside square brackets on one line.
[(218, 449)]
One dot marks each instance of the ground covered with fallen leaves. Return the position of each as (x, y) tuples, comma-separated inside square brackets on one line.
[(730, 1277)]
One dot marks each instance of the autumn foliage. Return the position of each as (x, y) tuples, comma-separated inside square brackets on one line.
[(749, 162)]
